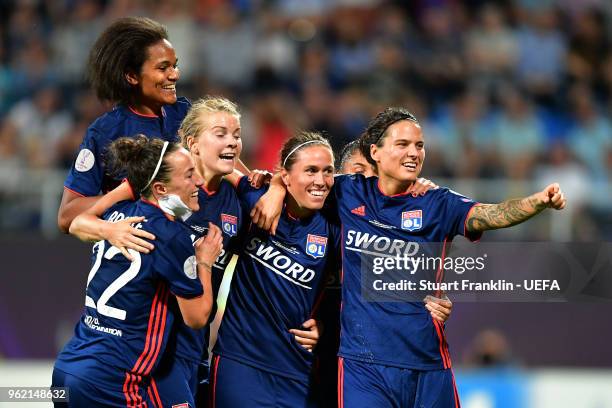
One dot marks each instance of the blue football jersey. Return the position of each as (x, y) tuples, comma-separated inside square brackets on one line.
[(123, 331), (88, 175), (276, 287), (400, 334), (223, 209)]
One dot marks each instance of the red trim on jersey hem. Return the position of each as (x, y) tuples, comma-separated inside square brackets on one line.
[(237, 181), (128, 398), (442, 343), (457, 402), (393, 195), (291, 216), (440, 272), (210, 193), (160, 332), (216, 359), (151, 398), (294, 217), (340, 382), (472, 236), (156, 400), (438, 326), (75, 192), (144, 115), (152, 323), (317, 303), (154, 338)]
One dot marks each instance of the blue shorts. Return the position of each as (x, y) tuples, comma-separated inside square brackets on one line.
[(373, 385), (238, 385), (83, 393), (174, 382)]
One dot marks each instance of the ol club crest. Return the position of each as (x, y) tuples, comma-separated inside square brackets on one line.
[(229, 224), (315, 246), (412, 220)]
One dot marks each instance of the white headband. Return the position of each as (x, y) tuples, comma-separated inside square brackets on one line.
[(159, 162), (298, 148)]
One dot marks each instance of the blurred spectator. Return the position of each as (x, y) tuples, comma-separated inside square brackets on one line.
[(591, 135), (469, 146), (24, 25), (182, 30), (436, 55), (314, 67), (87, 108), (561, 164), (489, 81), (32, 68), (587, 45), (491, 50), (351, 52), (519, 133), (275, 50), (11, 163), (541, 55), (490, 348), (40, 123), (275, 122), (72, 40), (226, 47)]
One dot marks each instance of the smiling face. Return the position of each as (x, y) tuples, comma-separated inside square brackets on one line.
[(157, 78), (184, 180), (218, 144), (310, 178), (357, 164), (400, 158)]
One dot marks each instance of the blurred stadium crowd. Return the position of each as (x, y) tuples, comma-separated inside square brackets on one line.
[(514, 90)]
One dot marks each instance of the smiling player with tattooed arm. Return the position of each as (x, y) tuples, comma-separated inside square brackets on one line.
[(391, 353)]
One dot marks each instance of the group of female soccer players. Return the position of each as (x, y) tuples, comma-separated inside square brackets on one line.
[(165, 237)]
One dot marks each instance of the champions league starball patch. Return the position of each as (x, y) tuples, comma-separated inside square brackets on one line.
[(315, 246), (84, 161), (412, 220), (229, 224), (190, 267)]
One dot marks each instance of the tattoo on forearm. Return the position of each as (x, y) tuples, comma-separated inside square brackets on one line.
[(493, 216)]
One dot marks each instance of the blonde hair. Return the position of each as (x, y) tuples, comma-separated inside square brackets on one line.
[(192, 123)]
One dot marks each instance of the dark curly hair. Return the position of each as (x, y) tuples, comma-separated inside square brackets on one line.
[(121, 49), (375, 133), (138, 157)]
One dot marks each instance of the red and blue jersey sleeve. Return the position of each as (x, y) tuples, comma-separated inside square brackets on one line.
[(457, 209)]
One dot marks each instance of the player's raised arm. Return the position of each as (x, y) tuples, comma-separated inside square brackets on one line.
[(515, 211)]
